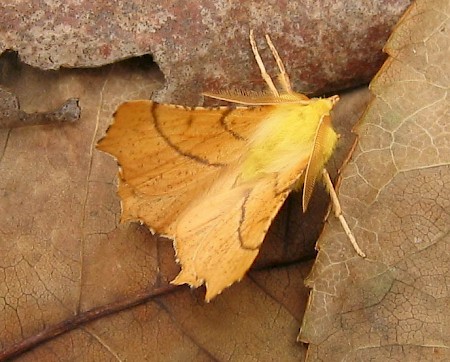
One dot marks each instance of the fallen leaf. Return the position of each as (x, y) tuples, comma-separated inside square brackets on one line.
[(395, 304)]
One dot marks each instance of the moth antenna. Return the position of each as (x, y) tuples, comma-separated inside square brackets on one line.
[(283, 76), (338, 212), (255, 98), (261, 66)]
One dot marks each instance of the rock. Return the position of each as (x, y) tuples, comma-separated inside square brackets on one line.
[(203, 45)]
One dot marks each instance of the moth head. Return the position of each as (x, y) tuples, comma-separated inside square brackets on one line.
[(323, 106)]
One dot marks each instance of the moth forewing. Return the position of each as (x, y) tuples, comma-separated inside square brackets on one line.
[(324, 143)]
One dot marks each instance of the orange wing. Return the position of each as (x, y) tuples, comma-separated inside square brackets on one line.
[(169, 154), (219, 236)]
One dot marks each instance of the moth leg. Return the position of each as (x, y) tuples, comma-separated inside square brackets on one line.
[(283, 76), (261, 66), (338, 212)]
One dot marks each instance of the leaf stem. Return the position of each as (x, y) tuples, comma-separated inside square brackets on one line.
[(82, 318)]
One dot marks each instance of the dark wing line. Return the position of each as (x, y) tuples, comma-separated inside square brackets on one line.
[(225, 126), (241, 221), (175, 147)]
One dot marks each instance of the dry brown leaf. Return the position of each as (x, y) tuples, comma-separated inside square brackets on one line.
[(395, 305)]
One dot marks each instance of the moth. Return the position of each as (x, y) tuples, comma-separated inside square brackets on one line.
[(213, 179)]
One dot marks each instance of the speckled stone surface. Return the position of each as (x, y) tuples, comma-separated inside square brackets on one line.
[(203, 45)]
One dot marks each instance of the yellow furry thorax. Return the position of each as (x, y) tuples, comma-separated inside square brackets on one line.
[(286, 137)]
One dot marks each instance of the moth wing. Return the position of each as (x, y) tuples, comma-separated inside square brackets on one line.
[(324, 143), (218, 239), (169, 154)]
